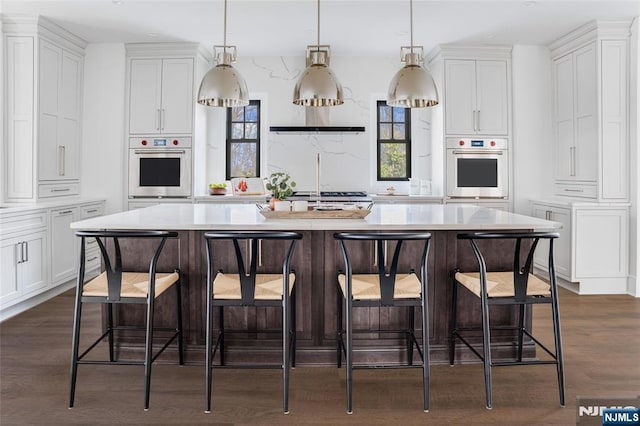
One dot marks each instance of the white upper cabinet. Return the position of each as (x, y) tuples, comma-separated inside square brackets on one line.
[(476, 97), (161, 96), (590, 101), (60, 78)]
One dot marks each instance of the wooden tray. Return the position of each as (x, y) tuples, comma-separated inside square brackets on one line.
[(315, 214)]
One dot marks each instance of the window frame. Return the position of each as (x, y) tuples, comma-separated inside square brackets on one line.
[(406, 141), (230, 140)]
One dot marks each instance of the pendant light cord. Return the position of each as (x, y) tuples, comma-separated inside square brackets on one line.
[(224, 48), (410, 22), (318, 45)]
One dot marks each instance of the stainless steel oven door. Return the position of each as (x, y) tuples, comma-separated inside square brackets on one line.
[(477, 174), (160, 173)]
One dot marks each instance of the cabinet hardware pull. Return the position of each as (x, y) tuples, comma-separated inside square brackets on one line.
[(26, 250), (60, 189), (92, 211), (474, 120), (61, 160), (488, 152), (572, 160), (92, 259), (19, 258), (573, 190), (65, 212), (160, 151), (162, 119), (478, 120), (547, 215), (158, 119)]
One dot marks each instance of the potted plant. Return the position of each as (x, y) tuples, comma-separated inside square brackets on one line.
[(218, 188), (280, 185)]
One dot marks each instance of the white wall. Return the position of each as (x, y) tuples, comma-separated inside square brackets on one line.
[(633, 286), (103, 164), (532, 125), (347, 159)]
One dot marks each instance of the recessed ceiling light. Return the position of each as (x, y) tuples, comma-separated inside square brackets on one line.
[(152, 34), (117, 2), (529, 3)]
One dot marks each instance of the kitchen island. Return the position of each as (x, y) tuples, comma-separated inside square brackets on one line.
[(317, 260)]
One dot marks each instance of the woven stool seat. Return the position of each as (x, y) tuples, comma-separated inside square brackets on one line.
[(367, 286), (268, 286), (134, 284), (500, 284)]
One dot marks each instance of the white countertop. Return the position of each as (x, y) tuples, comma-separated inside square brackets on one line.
[(382, 217), (6, 208)]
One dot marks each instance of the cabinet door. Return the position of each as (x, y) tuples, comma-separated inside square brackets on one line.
[(69, 136), (562, 246), (491, 98), (585, 111), (563, 118), (64, 255), (33, 271), (10, 255), (460, 97), (19, 148), (145, 96), (176, 114), (49, 156)]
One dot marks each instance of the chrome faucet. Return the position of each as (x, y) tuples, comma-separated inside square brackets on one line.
[(318, 174)]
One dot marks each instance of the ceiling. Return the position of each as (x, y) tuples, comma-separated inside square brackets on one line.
[(351, 27)]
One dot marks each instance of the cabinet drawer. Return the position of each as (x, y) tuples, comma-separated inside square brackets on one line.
[(573, 190), (91, 211), (23, 222), (58, 190), (92, 258)]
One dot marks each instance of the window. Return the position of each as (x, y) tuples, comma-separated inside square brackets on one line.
[(243, 141), (394, 142)]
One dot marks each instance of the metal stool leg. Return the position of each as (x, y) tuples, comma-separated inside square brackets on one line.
[(148, 352), (286, 324), (453, 325), (221, 334), (520, 331), (339, 346), (425, 345), (292, 330), (558, 343), (110, 325), (209, 348), (75, 346), (486, 346), (411, 334), (179, 322), (349, 348)]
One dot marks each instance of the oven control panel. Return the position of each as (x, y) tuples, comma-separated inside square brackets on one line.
[(477, 143), (159, 142)]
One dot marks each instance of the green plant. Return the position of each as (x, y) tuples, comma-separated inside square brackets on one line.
[(217, 185), (280, 185)]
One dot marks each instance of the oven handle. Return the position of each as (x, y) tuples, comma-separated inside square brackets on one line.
[(479, 152), (163, 151)]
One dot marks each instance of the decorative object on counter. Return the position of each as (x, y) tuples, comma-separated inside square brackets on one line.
[(247, 186), (413, 85), (222, 85), (218, 188), (300, 205), (281, 186), (327, 211), (391, 190), (318, 85), (282, 206)]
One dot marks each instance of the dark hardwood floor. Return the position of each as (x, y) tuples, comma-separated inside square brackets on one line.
[(602, 352)]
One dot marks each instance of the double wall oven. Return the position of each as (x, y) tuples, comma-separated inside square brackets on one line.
[(160, 167), (477, 168)]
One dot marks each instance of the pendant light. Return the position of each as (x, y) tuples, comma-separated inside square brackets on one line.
[(412, 86), (222, 85), (318, 85)]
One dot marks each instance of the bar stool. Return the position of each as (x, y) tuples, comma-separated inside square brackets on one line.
[(382, 290), (247, 287), (115, 286), (518, 287)]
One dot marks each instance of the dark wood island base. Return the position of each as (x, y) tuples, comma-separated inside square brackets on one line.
[(316, 261)]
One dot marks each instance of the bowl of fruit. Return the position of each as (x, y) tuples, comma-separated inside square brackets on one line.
[(218, 188)]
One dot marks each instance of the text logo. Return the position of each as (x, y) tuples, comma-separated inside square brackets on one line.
[(608, 411)]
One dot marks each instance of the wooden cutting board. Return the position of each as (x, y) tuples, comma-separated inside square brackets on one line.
[(316, 214)]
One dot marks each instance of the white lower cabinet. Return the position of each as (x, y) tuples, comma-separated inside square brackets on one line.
[(64, 252), (592, 251), (24, 269), (39, 253)]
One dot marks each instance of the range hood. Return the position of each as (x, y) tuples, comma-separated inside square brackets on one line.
[(316, 121)]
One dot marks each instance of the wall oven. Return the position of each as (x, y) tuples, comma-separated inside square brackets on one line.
[(159, 167), (477, 168)]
